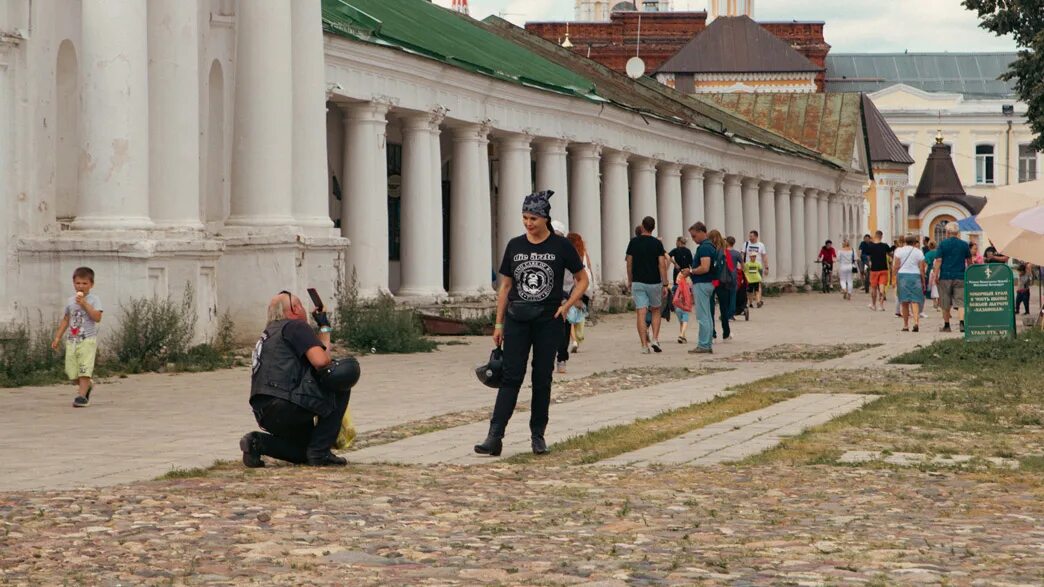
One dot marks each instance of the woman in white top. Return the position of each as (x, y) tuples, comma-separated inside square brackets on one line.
[(908, 267), (577, 329), (846, 259)]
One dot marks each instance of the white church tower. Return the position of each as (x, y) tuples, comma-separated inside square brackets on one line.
[(718, 8), (599, 10)]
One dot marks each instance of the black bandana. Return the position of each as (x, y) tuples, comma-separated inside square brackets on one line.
[(538, 204)]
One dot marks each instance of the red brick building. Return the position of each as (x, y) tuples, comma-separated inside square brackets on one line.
[(663, 34)]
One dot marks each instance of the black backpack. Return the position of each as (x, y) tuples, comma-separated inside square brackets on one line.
[(726, 276)]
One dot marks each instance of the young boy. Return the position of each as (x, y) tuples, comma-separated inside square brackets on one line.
[(83, 312), (752, 270), (1022, 290)]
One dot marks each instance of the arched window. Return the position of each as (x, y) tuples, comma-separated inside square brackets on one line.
[(939, 231), (624, 7), (984, 164), (215, 202), (67, 132)]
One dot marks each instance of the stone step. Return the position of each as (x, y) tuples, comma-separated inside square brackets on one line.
[(747, 434), (454, 445)]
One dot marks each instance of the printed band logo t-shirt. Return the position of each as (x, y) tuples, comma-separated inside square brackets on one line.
[(646, 252), (538, 270), (80, 323)]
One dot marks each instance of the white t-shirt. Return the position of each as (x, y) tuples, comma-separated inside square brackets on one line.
[(909, 259), (758, 247)]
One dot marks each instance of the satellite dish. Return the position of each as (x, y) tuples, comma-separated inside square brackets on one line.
[(635, 67)]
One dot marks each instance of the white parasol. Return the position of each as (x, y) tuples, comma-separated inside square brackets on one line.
[(1014, 220)]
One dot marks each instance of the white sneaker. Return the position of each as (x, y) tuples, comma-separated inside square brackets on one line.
[(646, 350), (656, 346), (573, 347), (561, 367)]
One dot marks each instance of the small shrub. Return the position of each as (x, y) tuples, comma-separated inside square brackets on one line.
[(224, 340), (377, 325), (26, 357), (154, 332)]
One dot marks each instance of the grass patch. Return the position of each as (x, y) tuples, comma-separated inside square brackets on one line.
[(969, 410), (968, 356), (616, 440)]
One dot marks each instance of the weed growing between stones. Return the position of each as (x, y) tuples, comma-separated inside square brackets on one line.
[(377, 325), (26, 357)]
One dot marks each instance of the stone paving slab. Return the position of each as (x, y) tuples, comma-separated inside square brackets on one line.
[(747, 434), (455, 445)]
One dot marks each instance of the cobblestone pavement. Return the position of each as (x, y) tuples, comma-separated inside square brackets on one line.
[(518, 525), (145, 425)]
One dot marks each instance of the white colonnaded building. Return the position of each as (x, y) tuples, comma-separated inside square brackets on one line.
[(244, 147)]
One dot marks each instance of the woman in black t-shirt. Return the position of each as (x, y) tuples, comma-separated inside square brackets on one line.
[(530, 311)]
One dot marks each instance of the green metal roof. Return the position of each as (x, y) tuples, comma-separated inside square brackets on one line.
[(420, 27)]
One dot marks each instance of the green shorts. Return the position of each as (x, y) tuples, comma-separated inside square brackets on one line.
[(79, 357)]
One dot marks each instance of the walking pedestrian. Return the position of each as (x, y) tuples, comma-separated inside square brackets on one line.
[(754, 247), (647, 280), (950, 263), (846, 266), (1022, 289), (530, 311), (725, 285), (703, 286), (877, 253), (864, 262), (581, 311), (909, 275), (737, 265)]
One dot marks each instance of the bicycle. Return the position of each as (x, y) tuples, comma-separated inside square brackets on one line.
[(826, 275)]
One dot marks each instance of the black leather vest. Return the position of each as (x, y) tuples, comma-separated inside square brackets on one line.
[(278, 372)]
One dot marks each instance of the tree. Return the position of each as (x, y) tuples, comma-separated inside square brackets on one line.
[(1023, 20)]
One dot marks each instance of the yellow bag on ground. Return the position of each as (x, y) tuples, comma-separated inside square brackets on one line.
[(347, 433)]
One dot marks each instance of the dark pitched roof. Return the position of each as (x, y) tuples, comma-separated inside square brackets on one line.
[(737, 44), (971, 74), (884, 145), (940, 182), (826, 123)]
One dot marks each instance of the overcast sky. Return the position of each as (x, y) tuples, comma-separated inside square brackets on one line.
[(851, 25)]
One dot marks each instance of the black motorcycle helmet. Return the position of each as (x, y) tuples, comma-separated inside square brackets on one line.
[(340, 375), (491, 374)]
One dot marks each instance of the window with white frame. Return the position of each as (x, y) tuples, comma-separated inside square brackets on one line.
[(1027, 163), (984, 164)]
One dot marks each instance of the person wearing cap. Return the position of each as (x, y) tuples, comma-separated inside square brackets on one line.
[(531, 309)]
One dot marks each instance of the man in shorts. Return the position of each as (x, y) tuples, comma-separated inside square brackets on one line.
[(647, 279), (950, 263), (877, 252)]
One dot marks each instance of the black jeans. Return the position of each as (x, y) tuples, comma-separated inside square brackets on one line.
[(724, 295), (1022, 297), (864, 274), (563, 345), (293, 434), (543, 335)]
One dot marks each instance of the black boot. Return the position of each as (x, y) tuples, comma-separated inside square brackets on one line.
[(539, 446), (493, 445)]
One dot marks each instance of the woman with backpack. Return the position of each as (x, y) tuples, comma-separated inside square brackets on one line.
[(724, 282)]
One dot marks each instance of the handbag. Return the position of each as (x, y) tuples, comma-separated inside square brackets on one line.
[(520, 311)]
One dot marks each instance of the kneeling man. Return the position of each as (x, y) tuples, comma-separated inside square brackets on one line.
[(297, 392)]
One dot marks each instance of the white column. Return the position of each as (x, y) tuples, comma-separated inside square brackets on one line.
[(174, 161), (586, 199), (552, 174), (834, 227), (798, 246), (310, 186), (751, 208), (486, 223), (714, 192), (643, 190), (263, 127), (769, 225), (824, 218), (692, 200), (421, 208), (470, 249), (669, 203), (515, 184), (364, 196), (733, 207), (811, 231), (616, 223), (781, 258), (114, 172), (9, 51)]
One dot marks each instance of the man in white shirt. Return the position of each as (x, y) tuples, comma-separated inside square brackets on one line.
[(755, 247)]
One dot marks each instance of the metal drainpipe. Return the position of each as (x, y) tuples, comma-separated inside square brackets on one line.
[(1007, 156)]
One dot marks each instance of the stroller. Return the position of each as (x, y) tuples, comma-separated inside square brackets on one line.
[(742, 308)]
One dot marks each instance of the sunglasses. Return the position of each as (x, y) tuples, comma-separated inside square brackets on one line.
[(289, 299)]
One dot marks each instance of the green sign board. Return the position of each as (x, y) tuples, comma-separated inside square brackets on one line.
[(989, 302)]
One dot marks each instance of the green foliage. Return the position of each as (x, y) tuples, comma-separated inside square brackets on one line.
[(1024, 21), (26, 357), (377, 325), (973, 356), (154, 332)]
